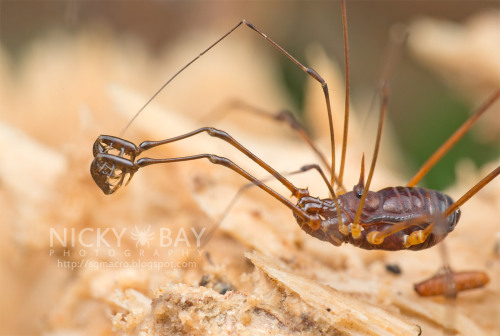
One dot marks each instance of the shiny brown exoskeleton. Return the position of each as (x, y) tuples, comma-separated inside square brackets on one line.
[(390, 219), (381, 211)]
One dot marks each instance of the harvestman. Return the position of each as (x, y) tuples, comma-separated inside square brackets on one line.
[(393, 218)]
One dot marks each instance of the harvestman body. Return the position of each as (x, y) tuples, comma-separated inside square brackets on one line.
[(390, 219)]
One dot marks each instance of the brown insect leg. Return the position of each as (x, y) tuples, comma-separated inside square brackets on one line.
[(309, 71), (459, 133), (356, 227), (377, 237), (461, 281), (319, 79), (296, 192), (480, 185), (313, 222), (247, 186), (178, 73), (419, 236), (283, 116), (341, 188)]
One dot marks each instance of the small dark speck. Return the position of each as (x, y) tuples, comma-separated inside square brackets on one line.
[(393, 268), (223, 287), (204, 280), (209, 258), (328, 310)]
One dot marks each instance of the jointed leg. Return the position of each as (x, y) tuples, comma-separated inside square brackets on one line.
[(296, 192), (319, 79), (109, 170), (231, 165), (128, 151), (113, 163), (472, 191), (356, 227), (248, 186), (441, 151), (114, 158), (415, 238), (307, 70), (284, 116), (419, 236)]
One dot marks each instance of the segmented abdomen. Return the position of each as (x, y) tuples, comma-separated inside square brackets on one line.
[(400, 204), (403, 202)]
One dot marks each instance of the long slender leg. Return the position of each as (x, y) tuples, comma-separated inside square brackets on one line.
[(215, 159), (347, 76), (247, 186), (103, 168), (128, 150), (419, 236), (356, 227), (283, 116), (457, 281), (472, 191), (296, 192), (120, 166), (396, 41), (459, 133), (309, 71)]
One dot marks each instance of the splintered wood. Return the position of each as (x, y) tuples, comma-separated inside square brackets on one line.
[(77, 262), (282, 304)]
